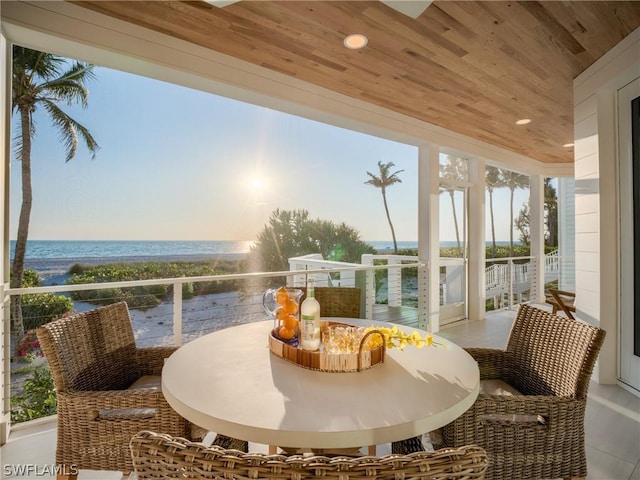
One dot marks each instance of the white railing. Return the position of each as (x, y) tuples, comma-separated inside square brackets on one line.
[(252, 294), (344, 277), (508, 281), (175, 320)]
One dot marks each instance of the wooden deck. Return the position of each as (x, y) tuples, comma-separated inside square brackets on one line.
[(401, 315)]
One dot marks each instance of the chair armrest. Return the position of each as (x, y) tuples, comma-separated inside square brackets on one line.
[(150, 360), (509, 420), (524, 410), (114, 404), (493, 363)]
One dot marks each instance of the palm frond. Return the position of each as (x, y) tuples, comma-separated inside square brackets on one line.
[(69, 130)]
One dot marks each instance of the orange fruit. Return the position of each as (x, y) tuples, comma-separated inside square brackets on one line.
[(282, 296), (290, 321), (291, 306), (280, 314), (286, 333)]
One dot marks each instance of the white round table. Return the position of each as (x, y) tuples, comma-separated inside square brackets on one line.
[(229, 382)]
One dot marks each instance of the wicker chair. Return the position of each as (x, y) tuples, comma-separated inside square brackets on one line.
[(105, 387), (338, 301), (158, 456), (536, 431)]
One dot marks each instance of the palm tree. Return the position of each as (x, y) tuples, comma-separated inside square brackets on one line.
[(493, 180), (454, 168), (42, 79), (551, 207), (382, 182), (523, 221), (513, 181)]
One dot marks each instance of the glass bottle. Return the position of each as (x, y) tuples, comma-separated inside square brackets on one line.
[(310, 320)]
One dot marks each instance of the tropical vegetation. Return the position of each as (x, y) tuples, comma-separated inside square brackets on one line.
[(292, 233), (382, 181), (42, 81), (149, 296), (40, 308), (454, 169), (523, 221), (37, 398)]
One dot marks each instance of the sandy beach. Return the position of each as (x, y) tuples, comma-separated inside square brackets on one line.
[(54, 271), (200, 315)]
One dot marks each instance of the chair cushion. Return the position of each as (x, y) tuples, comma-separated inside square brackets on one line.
[(147, 381), (495, 386)]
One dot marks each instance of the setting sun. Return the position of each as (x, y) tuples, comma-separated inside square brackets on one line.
[(256, 183)]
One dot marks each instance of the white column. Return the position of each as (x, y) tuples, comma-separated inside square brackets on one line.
[(429, 238), (536, 229), (5, 112), (476, 238)]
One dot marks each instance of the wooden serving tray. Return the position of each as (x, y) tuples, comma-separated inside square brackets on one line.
[(327, 362)]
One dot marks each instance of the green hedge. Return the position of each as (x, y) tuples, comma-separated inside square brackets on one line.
[(41, 308), (144, 297)]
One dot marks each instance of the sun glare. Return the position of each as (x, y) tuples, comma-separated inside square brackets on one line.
[(257, 187), (256, 183)]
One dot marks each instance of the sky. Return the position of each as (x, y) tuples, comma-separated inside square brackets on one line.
[(179, 164)]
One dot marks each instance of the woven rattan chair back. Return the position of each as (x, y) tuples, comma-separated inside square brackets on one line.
[(91, 351), (94, 360), (338, 301), (552, 355), (538, 433), (158, 456)]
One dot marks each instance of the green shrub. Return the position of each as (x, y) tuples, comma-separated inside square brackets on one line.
[(38, 397), (30, 278), (290, 233), (144, 297), (41, 308), (187, 291)]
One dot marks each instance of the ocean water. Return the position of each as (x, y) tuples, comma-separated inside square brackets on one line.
[(85, 249), (130, 248), (54, 257)]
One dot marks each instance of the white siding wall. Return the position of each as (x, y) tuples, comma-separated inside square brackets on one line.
[(596, 194), (587, 208), (567, 233)]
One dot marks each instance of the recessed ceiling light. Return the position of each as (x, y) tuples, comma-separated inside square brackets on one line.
[(523, 121), (355, 41), (568, 145)]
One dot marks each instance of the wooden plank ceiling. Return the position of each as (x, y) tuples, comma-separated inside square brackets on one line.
[(473, 67)]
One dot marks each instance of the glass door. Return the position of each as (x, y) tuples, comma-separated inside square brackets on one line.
[(453, 253)]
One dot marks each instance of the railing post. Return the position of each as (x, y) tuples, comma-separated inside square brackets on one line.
[(177, 314), (511, 278), (370, 289), (297, 281), (394, 283), (423, 298)]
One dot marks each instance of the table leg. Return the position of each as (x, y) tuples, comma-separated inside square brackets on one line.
[(273, 449), (371, 450)]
